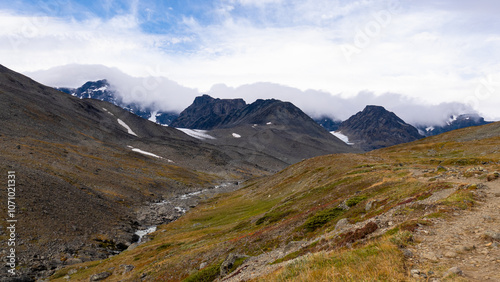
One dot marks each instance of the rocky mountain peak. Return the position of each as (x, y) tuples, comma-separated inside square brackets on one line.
[(207, 112), (375, 127)]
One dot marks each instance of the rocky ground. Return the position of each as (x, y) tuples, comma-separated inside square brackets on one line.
[(466, 245)]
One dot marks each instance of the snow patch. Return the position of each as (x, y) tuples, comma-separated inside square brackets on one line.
[(452, 119), (129, 130), (153, 116), (106, 110), (197, 133), (342, 137), (147, 153), (100, 89), (236, 135)]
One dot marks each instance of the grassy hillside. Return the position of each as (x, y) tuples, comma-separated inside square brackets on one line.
[(284, 225)]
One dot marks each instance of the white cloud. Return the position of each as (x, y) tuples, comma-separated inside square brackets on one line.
[(433, 52), (154, 90)]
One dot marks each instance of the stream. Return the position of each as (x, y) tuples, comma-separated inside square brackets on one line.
[(170, 209)]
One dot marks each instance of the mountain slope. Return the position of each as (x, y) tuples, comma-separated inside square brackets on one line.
[(84, 166), (375, 128), (356, 214)]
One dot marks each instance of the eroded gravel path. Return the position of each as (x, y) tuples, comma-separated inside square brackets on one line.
[(465, 241)]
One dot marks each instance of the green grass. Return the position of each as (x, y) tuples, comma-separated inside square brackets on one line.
[(355, 200), (273, 217), (321, 218), (207, 274)]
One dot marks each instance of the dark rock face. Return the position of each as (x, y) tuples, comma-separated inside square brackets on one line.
[(328, 123), (277, 113), (375, 128), (208, 113), (454, 122), (102, 90)]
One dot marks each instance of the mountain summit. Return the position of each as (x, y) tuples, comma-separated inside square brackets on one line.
[(375, 128), (269, 127), (207, 112)]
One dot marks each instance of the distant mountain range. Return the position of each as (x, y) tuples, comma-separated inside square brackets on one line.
[(454, 122), (370, 129)]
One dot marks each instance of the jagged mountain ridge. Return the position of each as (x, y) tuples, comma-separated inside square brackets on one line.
[(375, 128), (207, 112)]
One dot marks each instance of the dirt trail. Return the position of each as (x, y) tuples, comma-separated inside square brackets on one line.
[(464, 241)]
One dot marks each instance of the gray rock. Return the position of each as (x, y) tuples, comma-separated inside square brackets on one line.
[(430, 256), (415, 271), (203, 265), (342, 224), (229, 263), (465, 248), (455, 270), (72, 261), (407, 253), (100, 276), (126, 268), (492, 235), (370, 204), (450, 254)]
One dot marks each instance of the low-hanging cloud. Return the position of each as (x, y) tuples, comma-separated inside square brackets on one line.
[(319, 103), (160, 93), (155, 91)]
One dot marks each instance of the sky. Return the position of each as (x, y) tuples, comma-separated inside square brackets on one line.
[(424, 60)]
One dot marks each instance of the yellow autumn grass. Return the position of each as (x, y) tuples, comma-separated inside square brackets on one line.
[(377, 261)]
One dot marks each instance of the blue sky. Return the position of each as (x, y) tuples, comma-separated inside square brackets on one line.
[(427, 52)]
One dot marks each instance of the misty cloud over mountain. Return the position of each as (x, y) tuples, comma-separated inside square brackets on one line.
[(161, 93)]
